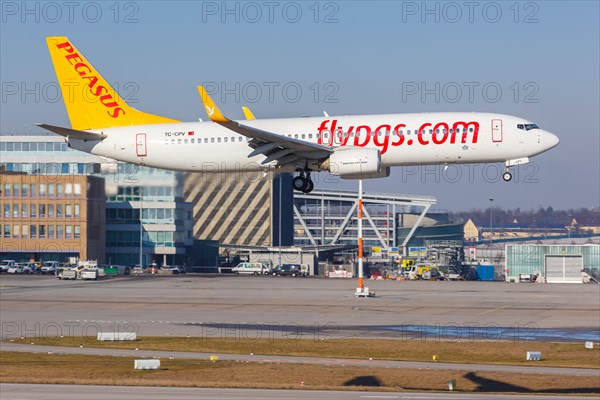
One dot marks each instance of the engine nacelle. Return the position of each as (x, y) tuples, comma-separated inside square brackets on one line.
[(355, 163)]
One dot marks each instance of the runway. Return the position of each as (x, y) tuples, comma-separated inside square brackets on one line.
[(77, 392), (265, 306)]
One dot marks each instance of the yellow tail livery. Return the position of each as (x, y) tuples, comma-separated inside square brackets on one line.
[(90, 100)]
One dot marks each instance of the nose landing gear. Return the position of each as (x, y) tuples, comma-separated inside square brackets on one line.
[(303, 183), (507, 176)]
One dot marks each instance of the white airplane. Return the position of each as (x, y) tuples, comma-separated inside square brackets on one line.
[(352, 147)]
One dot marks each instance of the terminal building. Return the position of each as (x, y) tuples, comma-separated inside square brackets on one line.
[(52, 217), (392, 223)]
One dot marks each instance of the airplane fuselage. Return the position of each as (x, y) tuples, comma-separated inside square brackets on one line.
[(402, 139)]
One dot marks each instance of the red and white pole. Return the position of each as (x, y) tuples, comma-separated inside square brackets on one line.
[(360, 236)]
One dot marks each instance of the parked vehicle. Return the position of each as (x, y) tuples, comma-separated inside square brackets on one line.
[(89, 273), (15, 269), (172, 268), (288, 269), (254, 268), (50, 267), (29, 268), (139, 269), (6, 264)]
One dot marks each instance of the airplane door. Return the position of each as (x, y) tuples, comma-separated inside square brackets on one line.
[(496, 130), (140, 144)]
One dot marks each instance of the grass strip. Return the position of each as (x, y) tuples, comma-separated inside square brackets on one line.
[(572, 355)]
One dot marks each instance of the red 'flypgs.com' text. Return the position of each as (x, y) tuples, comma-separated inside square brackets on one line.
[(384, 135)]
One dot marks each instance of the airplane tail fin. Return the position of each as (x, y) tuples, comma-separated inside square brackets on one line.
[(90, 100)]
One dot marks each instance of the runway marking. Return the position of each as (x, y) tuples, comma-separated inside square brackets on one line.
[(494, 309)]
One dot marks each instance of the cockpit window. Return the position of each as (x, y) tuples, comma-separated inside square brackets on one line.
[(527, 127)]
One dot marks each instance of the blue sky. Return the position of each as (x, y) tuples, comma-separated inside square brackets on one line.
[(538, 60)]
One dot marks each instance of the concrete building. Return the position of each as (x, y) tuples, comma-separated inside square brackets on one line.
[(471, 232), (52, 217), (241, 209)]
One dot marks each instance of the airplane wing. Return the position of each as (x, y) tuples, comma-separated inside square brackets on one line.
[(281, 149), (73, 133)]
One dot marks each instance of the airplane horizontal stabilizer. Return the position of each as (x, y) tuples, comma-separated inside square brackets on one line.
[(73, 133)]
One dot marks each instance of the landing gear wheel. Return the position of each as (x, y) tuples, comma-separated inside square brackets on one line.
[(299, 183), (309, 186), (507, 176)]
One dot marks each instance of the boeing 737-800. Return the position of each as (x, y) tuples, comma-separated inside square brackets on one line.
[(361, 146)]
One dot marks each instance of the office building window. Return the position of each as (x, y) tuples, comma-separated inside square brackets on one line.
[(16, 231), (25, 190), (25, 231), (68, 231), (77, 210), (42, 231), (59, 211), (7, 211), (68, 189), (50, 231), (15, 211), (59, 231), (50, 210), (24, 210), (77, 232), (59, 189), (68, 210), (51, 189), (7, 190), (33, 190), (42, 212), (33, 231), (42, 189)]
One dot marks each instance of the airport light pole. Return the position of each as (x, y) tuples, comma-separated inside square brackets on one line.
[(279, 218), (491, 219), (141, 228), (360, 236)]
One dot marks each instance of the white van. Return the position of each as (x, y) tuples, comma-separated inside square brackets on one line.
[(250, 268)]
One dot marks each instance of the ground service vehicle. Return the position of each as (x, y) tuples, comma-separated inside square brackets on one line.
[(6, 264), (254, 268), (288, 269), (50, 267)]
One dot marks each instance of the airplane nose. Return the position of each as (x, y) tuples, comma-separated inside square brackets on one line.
[(550, 140)]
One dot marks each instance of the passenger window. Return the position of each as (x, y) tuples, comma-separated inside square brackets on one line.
[(192, 141), (219, 139), (212, 139)]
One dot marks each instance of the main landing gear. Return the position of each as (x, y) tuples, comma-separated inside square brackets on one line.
[(303, 183)]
